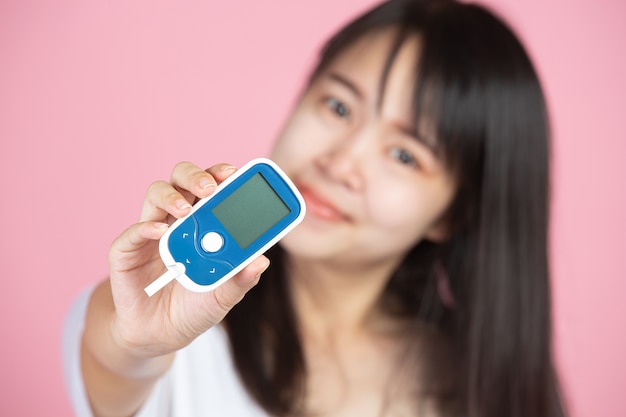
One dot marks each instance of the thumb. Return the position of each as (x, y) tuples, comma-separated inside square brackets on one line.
[(231, 292)]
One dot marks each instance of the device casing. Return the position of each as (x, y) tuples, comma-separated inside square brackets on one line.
[(181, 247)]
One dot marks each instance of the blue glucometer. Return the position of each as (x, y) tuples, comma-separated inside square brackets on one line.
[(247, 214)]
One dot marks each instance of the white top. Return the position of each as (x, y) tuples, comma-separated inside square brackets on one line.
[(201, 382)]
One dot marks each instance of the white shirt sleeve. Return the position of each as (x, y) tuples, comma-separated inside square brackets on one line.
[(201, 382), (72, 332), (157, 404)]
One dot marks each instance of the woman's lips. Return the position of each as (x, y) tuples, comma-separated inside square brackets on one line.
[(319, 207)]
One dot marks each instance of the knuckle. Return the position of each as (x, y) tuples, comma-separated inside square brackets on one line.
[(160, 194), (181, 169), (223, 300), (182, 165), (155, 186), (199, 174)]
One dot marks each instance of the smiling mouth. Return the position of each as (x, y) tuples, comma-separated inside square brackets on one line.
[(319, 207)]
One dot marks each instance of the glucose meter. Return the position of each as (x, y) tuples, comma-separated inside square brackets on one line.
[(246, 215)]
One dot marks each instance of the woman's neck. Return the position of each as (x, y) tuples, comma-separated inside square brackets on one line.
[(337, 301), (356, 354)]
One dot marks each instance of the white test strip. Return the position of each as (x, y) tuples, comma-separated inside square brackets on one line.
[(168, 276)]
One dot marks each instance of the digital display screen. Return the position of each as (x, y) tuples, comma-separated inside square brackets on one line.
[(251, 211)]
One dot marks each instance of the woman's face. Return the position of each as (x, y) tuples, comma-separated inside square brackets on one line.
[(372, 189)]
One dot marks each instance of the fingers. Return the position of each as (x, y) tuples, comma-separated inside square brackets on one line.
[(188, 182), (231, 292), (137, 235), (161, 200), (221, 171), (189, 177), (250, 275), (200, 183)]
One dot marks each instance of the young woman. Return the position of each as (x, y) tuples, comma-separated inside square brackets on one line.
[(417, 285)]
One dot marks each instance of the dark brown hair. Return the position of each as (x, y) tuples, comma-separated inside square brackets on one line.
[(477, 83)]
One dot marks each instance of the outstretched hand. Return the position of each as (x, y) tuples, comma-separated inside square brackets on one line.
[(173, 317)]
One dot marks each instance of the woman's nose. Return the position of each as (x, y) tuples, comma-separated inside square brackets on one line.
[(345, 159)]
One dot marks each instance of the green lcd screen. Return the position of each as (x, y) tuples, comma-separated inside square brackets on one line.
[(251, 211)]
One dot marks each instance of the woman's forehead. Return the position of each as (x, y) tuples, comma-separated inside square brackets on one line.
[(383, 68), (374, 51)]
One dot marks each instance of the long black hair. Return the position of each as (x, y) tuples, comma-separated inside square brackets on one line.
[(475, 81)]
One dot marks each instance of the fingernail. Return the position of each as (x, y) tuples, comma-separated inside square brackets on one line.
[(161, 226), (182, 204), (267, 265), (206, 183), (228, 168)]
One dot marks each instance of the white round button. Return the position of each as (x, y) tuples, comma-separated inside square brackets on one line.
[(212, 242)]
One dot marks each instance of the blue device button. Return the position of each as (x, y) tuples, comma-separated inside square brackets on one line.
[(185, 247), (183, 238), (204, 271)]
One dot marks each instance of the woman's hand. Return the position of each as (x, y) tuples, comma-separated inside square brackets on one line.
[(129, 338), (173, 317)]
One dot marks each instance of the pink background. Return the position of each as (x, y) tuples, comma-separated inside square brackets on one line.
[(100, 98)]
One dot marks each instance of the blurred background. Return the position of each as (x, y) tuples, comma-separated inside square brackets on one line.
[(100, 98)]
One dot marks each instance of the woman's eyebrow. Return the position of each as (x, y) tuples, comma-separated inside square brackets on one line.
[(408, 130), (338, 78)]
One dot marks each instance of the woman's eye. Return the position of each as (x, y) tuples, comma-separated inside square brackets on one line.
[(337, 107), (403, 156)]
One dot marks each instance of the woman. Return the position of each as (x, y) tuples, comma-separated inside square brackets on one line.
[(417, 283)]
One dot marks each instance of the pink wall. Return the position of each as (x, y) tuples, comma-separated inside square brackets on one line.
[(99, 98)]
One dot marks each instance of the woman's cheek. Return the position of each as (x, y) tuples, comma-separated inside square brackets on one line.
[(300, 144), (398, 207)]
